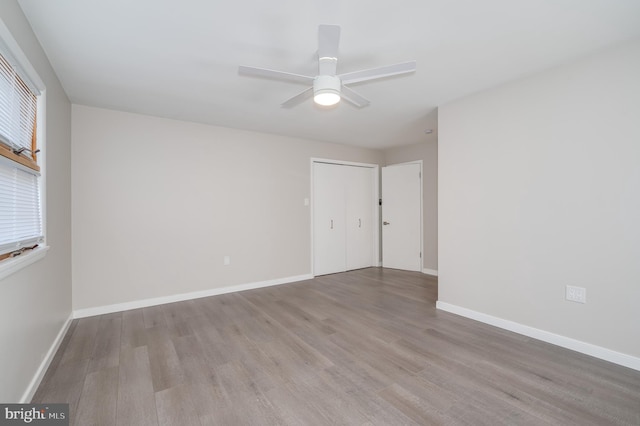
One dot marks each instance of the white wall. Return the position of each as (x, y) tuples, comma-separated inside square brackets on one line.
[(539, 187), (428, 153), (158, 203), (36, 301)]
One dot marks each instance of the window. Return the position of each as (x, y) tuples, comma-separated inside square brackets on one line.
[(20, 201)]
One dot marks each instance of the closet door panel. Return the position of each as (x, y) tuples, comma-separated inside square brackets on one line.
[(329, 219), (360, 200)]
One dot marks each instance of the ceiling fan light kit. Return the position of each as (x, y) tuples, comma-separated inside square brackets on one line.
[(328, 88)]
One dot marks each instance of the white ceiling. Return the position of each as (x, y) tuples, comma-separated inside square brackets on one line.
[(180, 58)]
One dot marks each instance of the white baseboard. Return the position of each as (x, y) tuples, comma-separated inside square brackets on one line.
[(555, 339), (433, 272), (37, 378), (119, 307)]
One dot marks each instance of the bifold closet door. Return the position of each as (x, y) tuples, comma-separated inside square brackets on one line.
[(343, 215), (360, 202), (329, 219)]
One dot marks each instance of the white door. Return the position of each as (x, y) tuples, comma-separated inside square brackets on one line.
[(329, 233), (402, 217), (360, 203)]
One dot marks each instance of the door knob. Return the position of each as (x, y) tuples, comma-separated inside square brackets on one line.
[(386, 223)]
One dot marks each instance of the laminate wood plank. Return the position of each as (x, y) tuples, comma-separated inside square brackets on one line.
[(536, 366), (98, 402), (421, 410), (235, 308), (63, 382), (210, 308), (349, 324), (382, 357), (260, 328), (294, 348), (216, 350), (154, 317), (464, 375), (106, 352), (245, 395), (136, 398), (525, 393), (66, 374), (203, 384), (133, 329), (82, 341), (282, 316), (166, 370), (440, 348), (346, 363), (64, 385), (458, 396), (193, 360), (177, 316), (294, 409), (267, 295), (327, 398), (400, 328), (225, 309), (265, 373), (293, 317), (363, 347), (314, 302), (179, 311), (175, 407), (365, 398), (55, 362), (213, 405)]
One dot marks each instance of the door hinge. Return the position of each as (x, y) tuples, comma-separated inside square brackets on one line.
[(421, 255), (380, 201), (419, 175)]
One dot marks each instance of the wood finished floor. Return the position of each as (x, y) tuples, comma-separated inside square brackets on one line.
[(365, 347)]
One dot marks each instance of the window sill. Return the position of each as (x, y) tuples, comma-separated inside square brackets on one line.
[(14, 264)]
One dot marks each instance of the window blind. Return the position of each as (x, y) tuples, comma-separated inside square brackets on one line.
[(20, 199), (18, 106), (20, 213)]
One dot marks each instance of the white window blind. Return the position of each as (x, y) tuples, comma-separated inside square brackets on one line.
[(20, 213), (18, 107), (20, 200)]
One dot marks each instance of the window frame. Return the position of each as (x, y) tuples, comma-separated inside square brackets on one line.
[(11, 50)]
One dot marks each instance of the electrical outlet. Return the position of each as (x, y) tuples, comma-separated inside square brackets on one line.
[(576, 294), (227, 260)]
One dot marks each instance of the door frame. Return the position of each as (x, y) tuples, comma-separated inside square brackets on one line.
[(375, 207), (420, 163)]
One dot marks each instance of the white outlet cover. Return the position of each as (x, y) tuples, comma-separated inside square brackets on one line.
[(576, 294), (227, 260)]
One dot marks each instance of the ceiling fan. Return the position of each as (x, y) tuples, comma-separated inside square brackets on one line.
[(327, 88)]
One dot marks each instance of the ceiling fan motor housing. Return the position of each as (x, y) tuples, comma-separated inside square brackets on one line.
[(326, 89)]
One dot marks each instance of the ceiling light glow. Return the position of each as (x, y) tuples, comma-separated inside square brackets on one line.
[(326, 90), (326, 97)]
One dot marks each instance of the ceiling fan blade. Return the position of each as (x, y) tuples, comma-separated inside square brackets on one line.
[(328, 40), (351, 96), (277, 75), (375, 73), (300, 97)]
